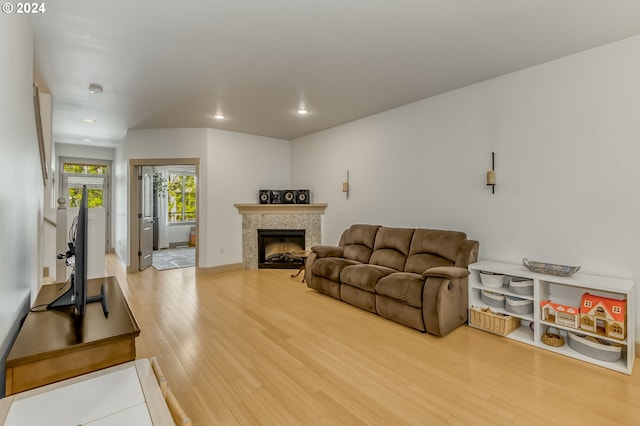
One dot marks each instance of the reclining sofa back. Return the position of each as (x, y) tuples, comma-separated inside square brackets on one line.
[(358, 242), (398, 273)]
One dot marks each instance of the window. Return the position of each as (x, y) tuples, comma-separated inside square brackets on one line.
[(181, 198), (617, 310), (93, 176)]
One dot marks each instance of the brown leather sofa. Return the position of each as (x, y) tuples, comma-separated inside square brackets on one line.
[(416, 277)]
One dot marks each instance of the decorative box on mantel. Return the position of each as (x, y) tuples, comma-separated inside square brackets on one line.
[(277, 216)]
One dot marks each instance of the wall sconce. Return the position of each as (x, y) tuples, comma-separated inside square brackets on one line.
[(345, 186), (491, 174)]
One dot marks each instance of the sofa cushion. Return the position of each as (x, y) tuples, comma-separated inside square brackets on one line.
[(432, 247), (399, 312), (358, 242), (392, 247), (358, 297), (330, 267), (403, 286), (364, 276)]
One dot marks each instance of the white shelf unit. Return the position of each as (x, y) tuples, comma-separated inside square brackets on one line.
[(564, 290)]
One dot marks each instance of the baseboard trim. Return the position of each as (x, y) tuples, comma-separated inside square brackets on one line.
[(180, 244), (220, 268), (637, 349)]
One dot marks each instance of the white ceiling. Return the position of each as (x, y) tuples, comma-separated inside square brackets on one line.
[(167, 64)]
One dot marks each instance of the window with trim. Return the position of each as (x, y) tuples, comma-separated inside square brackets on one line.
[(181, 198), (93, 176)]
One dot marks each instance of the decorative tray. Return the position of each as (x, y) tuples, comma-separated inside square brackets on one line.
[(550, 268)]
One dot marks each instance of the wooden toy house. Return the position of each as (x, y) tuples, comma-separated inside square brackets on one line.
[(560, 314), (604, 316)]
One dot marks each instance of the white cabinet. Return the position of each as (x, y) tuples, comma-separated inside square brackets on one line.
[(563, 290)]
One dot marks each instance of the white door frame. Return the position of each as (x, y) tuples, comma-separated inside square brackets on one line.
[(134, 243)]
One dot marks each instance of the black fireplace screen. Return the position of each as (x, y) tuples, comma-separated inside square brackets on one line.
[(277, 247)]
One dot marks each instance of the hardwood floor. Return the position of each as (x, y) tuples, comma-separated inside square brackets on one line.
[(258, 347)]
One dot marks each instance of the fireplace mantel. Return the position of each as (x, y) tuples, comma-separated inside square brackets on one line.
[(317, 208), (277, 216)]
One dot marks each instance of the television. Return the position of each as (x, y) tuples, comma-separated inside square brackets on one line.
[(76, 296)]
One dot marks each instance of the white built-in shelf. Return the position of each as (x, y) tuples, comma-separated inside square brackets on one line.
[(563, 290)]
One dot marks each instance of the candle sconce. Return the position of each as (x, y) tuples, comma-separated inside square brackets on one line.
[(345, 186), (491, 174)]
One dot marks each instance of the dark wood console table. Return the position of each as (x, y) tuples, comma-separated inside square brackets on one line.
[(50, 347)]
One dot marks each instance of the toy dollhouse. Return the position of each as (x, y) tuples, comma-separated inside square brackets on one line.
[(604, 316), (560, 314)]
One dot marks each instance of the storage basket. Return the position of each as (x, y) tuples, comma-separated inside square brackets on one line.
[(492, 299), (521, 286), (594, 347), (552, 339), (516, 305), (493, 322), (550, 268), (490, 279)]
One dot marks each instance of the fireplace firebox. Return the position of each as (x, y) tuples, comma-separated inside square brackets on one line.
[(275, 248)]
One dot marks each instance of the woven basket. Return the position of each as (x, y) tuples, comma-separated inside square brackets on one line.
[(492, 322), (552, 339)]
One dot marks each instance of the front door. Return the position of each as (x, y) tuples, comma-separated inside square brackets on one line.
[(145, 216)]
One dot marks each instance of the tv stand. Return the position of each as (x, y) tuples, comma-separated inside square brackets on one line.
[(67, 299), (102, 298), (52, 345)]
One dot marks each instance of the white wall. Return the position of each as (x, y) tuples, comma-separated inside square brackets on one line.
[(120, 204), (233, 167), (49, 202), (20, 216), (238, 166), (84, 152), (179, 233), (151, 144), (567, 140)]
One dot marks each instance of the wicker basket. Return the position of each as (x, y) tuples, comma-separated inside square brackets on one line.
[(493, 322), (550, 268), (552, 339)]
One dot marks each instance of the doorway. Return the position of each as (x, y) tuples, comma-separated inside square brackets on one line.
[(163, 200), (96, 175)]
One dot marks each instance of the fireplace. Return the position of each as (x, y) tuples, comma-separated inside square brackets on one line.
[(275, 248)]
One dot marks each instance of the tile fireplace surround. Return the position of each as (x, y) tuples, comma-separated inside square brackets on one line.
[(277, 216)]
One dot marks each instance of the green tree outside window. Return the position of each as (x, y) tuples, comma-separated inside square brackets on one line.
[(95, 197), (181, 198)]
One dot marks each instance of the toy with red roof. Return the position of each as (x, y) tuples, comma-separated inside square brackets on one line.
[(603, 315)]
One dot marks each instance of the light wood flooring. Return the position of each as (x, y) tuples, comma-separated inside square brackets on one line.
[(257, 347)]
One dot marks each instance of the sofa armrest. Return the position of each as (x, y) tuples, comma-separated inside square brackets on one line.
[(328, 251), (445, 299), (450, 272)]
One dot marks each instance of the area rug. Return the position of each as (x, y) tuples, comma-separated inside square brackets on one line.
[(174, 258)]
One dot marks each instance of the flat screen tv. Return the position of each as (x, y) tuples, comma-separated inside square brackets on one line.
[(76, 296)]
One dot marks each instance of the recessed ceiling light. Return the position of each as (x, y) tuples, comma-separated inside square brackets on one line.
[(87, 140), (218, 116), (95, 89), (302, 111), (89, 120)]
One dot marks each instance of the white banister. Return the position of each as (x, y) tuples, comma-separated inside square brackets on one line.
[(61, 239)]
